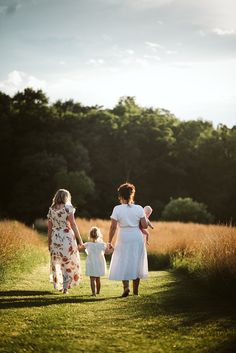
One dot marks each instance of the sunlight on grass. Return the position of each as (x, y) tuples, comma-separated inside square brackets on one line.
[(21, 249)]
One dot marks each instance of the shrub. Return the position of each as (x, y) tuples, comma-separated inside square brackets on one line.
[(187, 210), (158, 261)]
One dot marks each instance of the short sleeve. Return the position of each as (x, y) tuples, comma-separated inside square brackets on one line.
[(86, 245), (69, 209), (114, 214), (102, 246)]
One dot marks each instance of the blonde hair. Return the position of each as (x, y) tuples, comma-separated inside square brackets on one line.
[(148, 210), (95, 233), (61, 196)]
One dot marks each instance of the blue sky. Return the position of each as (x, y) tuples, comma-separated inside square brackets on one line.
[(175, 54)]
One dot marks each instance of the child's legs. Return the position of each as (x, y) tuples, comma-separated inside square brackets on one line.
[(98, 284), (92, 285)]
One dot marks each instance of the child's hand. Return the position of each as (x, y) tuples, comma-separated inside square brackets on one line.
[(81, 247), (109, 246), (109, 249)]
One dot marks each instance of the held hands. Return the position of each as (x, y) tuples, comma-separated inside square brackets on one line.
[(81, 246), (109, 249)]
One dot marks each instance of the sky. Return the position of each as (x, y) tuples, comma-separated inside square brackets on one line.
[(179, 55)]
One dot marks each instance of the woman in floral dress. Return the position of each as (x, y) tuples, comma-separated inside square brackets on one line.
[(62, 244)]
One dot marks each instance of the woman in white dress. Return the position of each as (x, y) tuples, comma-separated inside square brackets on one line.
[(129, 260)]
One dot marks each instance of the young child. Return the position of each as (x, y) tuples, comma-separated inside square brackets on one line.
[(95, 261), (148, 211)]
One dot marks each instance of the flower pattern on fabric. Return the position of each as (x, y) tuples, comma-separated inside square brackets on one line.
[(65, 259)]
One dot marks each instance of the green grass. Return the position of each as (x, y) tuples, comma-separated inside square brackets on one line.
[(172, 314), (25, 260)]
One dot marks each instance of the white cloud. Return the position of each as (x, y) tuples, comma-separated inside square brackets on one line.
[(96, 62), (152, 57), (133, 62), (224, 32), (130, 51), (18, 80), (171, 52), (154, 46)]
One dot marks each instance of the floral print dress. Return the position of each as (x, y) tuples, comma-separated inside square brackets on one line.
[(65, 259)]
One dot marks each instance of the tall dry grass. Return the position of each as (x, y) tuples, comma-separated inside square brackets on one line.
[(204, 248), (21, 248)]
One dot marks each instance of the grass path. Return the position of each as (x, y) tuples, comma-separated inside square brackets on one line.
[(171, 315)]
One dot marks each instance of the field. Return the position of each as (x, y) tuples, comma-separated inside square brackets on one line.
[(21, 249), (173, 313), (206, 250)]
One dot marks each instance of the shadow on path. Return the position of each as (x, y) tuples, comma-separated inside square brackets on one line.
[(185, 298), (29, 299), (23, 293)]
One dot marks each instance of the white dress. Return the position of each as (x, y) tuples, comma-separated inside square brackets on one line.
[(129, 259), (95, 261)]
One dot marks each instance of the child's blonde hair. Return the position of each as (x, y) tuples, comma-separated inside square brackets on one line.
[(148, 210), (95, 233), (61, 196)]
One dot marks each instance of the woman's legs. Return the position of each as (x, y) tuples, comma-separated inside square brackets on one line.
[(126, 288), (135, 286), (98, 284)]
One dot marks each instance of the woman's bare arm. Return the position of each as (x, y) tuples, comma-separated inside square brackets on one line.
[(73, 224), (49, 233), (112, 230)]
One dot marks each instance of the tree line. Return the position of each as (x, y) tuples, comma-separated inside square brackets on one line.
[(91, 150)]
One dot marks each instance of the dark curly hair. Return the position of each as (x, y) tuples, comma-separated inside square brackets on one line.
[(126, 192)]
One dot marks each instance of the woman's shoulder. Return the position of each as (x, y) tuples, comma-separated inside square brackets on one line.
[(117, 206), (69, 208), (139, 209), (138, 206)]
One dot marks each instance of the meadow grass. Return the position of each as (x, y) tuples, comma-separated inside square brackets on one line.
[(171, 314), (21, 249), (207, 251)]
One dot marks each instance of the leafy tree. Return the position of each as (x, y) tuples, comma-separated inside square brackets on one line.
[(186, 210), (79, 184), (91, 150)]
